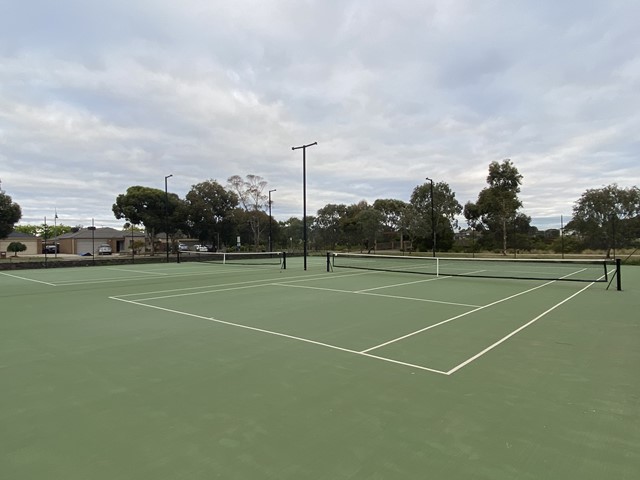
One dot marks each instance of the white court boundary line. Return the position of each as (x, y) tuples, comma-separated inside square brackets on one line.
[(517, 330), (366, 292), (262, 282), (284, 335), (394, 340), (219, 271), (160, 274), (366, 352), (143, 276), (28, 279)]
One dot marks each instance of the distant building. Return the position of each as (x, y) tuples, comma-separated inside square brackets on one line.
[(32, 242), (88, 241)]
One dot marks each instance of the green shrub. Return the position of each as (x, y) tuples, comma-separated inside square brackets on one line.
[(16, 247)]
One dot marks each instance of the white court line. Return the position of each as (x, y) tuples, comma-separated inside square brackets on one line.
[(129, 279), (232, 286), (506, 337), (216, 290), (263, 282), (400, 297), (28, 279), (136, 271), (454, 318), (186, 289), (284, 335), (400, 284), (72, 283), (212, 272), (364, 292)]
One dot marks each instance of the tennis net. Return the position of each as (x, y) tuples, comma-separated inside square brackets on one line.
[(236, 258), (583, 270)]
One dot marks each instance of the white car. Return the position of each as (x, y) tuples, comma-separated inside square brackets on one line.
[(104, 249), (201, 248)]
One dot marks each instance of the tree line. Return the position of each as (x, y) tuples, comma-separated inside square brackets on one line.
[(216, 214)]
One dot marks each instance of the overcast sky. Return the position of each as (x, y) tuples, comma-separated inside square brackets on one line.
[(99, 96)]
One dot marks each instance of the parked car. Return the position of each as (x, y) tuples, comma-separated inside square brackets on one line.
[(182, 247), (104, 249), (201, 248), (50, 249)]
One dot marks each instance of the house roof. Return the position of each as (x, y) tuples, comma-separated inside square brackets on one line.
[(19, 235)]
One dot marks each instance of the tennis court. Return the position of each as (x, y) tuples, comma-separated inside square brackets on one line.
[(223, 369)]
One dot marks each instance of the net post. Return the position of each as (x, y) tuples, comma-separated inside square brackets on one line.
[(284, 260), (618, 275), (328, 261), (178, 256)]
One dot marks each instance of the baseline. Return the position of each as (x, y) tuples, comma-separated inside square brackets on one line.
[(283, 335), (367, 292), (517, 330), (28, 279), (411, 334)]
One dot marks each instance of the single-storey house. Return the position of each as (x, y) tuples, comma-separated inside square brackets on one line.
[(32, 243), (87, 240)]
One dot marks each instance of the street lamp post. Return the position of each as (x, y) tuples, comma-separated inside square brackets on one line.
[(166, 214), (133, 250), (433, 220), (55, 233), (304, 197), (45, 242), (93, 242), (270, 245)]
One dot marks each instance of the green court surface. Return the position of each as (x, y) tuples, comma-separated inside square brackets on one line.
[(198, 371)]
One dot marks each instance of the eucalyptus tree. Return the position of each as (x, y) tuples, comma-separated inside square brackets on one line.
[(391, 211), (149, 207), (209, 212), (290, 233), (251, 196), (369, 221), (42, 229), (498, 204), (608, 216), (329, 224), (444, 206)]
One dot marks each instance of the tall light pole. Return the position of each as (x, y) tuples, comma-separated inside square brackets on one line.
[(304, 197), (55, 233), (433, 219), (166, 214), (93, 242), (45, 242), (270, 246)]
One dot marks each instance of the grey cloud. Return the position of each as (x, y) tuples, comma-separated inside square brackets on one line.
[(104, 96)]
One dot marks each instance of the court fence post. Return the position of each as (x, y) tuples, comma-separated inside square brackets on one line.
[(618, 275)]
